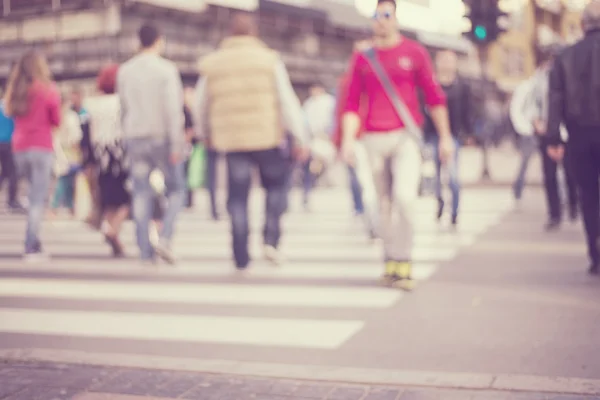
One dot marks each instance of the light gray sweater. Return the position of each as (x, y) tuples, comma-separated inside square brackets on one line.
[(151, 96)]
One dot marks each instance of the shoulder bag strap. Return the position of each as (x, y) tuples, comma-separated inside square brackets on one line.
[(402, 110)]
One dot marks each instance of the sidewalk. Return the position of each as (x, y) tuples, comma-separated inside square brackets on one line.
[(44, 381)]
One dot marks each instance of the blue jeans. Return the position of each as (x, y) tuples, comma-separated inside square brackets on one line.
[(453, 175), (36, 167), (528, 145), (64, 192), (145, 156), (356, 191), (212, 159), (273, 168)]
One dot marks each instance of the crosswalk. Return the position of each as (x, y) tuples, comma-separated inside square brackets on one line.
[(323, 295)]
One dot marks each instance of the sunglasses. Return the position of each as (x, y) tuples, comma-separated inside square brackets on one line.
[(383, 15)]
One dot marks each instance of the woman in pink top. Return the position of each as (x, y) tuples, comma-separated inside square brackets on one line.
[(33, 100)]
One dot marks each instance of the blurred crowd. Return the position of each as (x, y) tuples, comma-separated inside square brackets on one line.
[(140, 146)]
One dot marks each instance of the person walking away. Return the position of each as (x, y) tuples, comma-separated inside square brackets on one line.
[(106, 140), (33, 101), (458, 98), (188, 124), (521, 114), (89, 167), (8, 171), (67, 138), (319, 111), (539, 94), (151, 95), (243, 97), (392, 153), (574, 98)]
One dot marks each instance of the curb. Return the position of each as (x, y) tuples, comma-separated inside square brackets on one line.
[(523, 383)]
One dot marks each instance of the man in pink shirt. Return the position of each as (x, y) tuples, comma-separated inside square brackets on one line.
[(387, 157)]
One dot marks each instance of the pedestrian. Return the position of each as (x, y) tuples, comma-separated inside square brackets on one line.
[(33, 101), (8, 173), (534, 106), (574, 99), (151, 95), (110, 158), (67, 138), (243, 96), (458, 98), (391, 143), (319, 111)]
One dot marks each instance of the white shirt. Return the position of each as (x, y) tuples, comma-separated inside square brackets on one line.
[(320, 114), (105, 116)]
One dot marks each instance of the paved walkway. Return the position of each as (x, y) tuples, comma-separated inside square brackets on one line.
[(45, 381), (502, 305)]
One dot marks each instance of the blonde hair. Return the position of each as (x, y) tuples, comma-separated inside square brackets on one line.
[(30, 68)]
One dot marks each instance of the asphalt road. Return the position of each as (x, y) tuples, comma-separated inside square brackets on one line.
[(499, 296)]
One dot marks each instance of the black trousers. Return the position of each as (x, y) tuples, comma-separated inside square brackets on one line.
[(9, 172), (550, 171), (271, 165), (586, 164)]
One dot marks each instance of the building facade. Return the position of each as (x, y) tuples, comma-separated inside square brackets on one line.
[(80, 36)]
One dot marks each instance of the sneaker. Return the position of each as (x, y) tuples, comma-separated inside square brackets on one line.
[(403, 277), (389, 272), (440, 210), (16, 208), (552, 225), (36, 255), (454, 221), (273, 255), (164, 251)]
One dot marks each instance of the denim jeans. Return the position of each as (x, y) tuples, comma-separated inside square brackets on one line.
[(272, 167), (145, 156), (528, 145), (9, 173), (64, 192), (36, 167), (355, 190), (212, 160), (453, 175)]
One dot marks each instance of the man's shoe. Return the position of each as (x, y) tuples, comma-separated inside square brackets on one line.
[(403, 278), (440, 210), (273, 255), (165, 253), (594, 269), (389, 273), (552, 225)]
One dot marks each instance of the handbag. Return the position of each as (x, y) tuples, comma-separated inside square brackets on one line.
[(197, 167)]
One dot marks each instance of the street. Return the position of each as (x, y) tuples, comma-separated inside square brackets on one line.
[(500, 304)]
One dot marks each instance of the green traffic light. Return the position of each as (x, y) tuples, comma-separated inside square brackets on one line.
[(480, 32)]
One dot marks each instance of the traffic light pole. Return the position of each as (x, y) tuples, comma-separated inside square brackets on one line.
[(483, 57)]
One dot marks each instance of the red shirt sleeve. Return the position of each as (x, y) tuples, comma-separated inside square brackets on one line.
[(54, 108), (355, 85), (342, 96), (426, 80)]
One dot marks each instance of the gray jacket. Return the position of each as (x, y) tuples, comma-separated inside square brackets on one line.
[(151, 96)]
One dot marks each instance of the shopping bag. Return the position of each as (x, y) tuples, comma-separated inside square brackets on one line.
[(197, 167), (83, 198)]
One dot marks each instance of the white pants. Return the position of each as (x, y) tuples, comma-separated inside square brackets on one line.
[(388, 166)]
